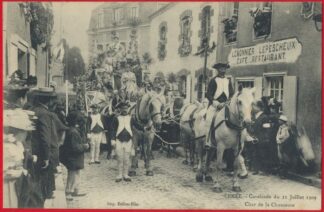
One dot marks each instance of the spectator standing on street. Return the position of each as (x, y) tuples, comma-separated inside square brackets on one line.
[(44, 145), (262, 130), (282, 136), (72, 154), (122, 141), (95, 133)]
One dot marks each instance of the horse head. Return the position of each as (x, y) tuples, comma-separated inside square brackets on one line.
[(303, 145), (156, 106), (241, 104)]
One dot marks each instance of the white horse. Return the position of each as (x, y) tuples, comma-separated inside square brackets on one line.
[(227, 131)]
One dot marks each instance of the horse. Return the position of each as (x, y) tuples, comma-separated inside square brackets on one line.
[(191, 134), (146, 117), (227, 132), (296, 153)]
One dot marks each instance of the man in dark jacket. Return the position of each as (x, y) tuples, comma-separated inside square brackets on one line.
[(262, 129), (43, 144)]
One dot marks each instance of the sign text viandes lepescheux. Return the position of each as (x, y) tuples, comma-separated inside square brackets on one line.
[(283, 51)]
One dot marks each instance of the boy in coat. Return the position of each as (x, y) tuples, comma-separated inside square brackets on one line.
[(122, 141), (72, 154)]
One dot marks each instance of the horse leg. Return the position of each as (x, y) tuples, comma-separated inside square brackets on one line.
[(236, 185), (134, 159), (200, 152), (243, 171), (185, 147), (192, 151), (219, 162), (209, 156), (147, 151)]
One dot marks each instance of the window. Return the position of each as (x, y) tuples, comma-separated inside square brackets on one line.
[(262, 19), (162, 41), (236, 8), (100, 20), (134, 12), (275, 88), (205, 26), (245, 83), (185, 33), (200, 88), (117, 14), (183, 86), (230, 24)]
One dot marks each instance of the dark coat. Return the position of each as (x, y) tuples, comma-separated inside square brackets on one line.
[(44, 144), (265, 134), (72, 151), (212, 87)]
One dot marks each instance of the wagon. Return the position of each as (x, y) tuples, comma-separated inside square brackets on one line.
[(168, 138)]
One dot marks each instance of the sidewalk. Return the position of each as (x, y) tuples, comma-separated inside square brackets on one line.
[(59, 200)]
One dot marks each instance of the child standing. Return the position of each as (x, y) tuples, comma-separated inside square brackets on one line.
[(122, 141), (282, 136), (95, 133)]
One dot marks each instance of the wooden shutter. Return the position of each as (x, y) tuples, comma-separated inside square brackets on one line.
[(290, 97), (258, 87), (13, 59)]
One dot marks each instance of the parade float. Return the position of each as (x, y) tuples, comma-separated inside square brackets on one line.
[(116, 69)]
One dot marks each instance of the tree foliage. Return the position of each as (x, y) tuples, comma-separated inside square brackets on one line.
[(74, 65)]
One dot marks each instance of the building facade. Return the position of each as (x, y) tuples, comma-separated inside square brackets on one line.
[(276, 47), (120, 18), (176, 35), (19, 51)]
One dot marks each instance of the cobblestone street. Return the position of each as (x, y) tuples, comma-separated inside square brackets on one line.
[(173, 186)]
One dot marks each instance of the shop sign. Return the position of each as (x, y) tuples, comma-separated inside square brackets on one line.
[(283, 51)]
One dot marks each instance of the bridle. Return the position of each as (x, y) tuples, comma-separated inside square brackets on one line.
[(147, 124)]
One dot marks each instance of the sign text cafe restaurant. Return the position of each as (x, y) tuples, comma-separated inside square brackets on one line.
[(281, 69)]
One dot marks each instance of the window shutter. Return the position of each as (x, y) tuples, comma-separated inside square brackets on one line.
[(188, 88), (13, 59), (32, 63), (211, 12), (258, 87), (290, 97)]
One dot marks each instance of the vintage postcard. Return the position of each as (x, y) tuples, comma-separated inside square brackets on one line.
[(162, 105)]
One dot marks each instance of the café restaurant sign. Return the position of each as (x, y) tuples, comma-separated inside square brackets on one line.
[(283, 51)]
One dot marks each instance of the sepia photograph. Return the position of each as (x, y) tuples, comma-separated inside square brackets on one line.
[(162, 105)]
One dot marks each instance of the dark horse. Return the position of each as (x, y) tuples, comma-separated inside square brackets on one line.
[(146, 116)]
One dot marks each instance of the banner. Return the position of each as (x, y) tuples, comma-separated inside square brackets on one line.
[(283, 51)]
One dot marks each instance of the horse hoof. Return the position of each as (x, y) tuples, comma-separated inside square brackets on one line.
[(132, 173), (242, 176), (237, 189), (217, 190), (149, 173), (199, 178), (208, 178), (185, 162)]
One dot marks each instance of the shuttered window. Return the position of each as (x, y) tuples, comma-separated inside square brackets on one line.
[(289, 106)]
